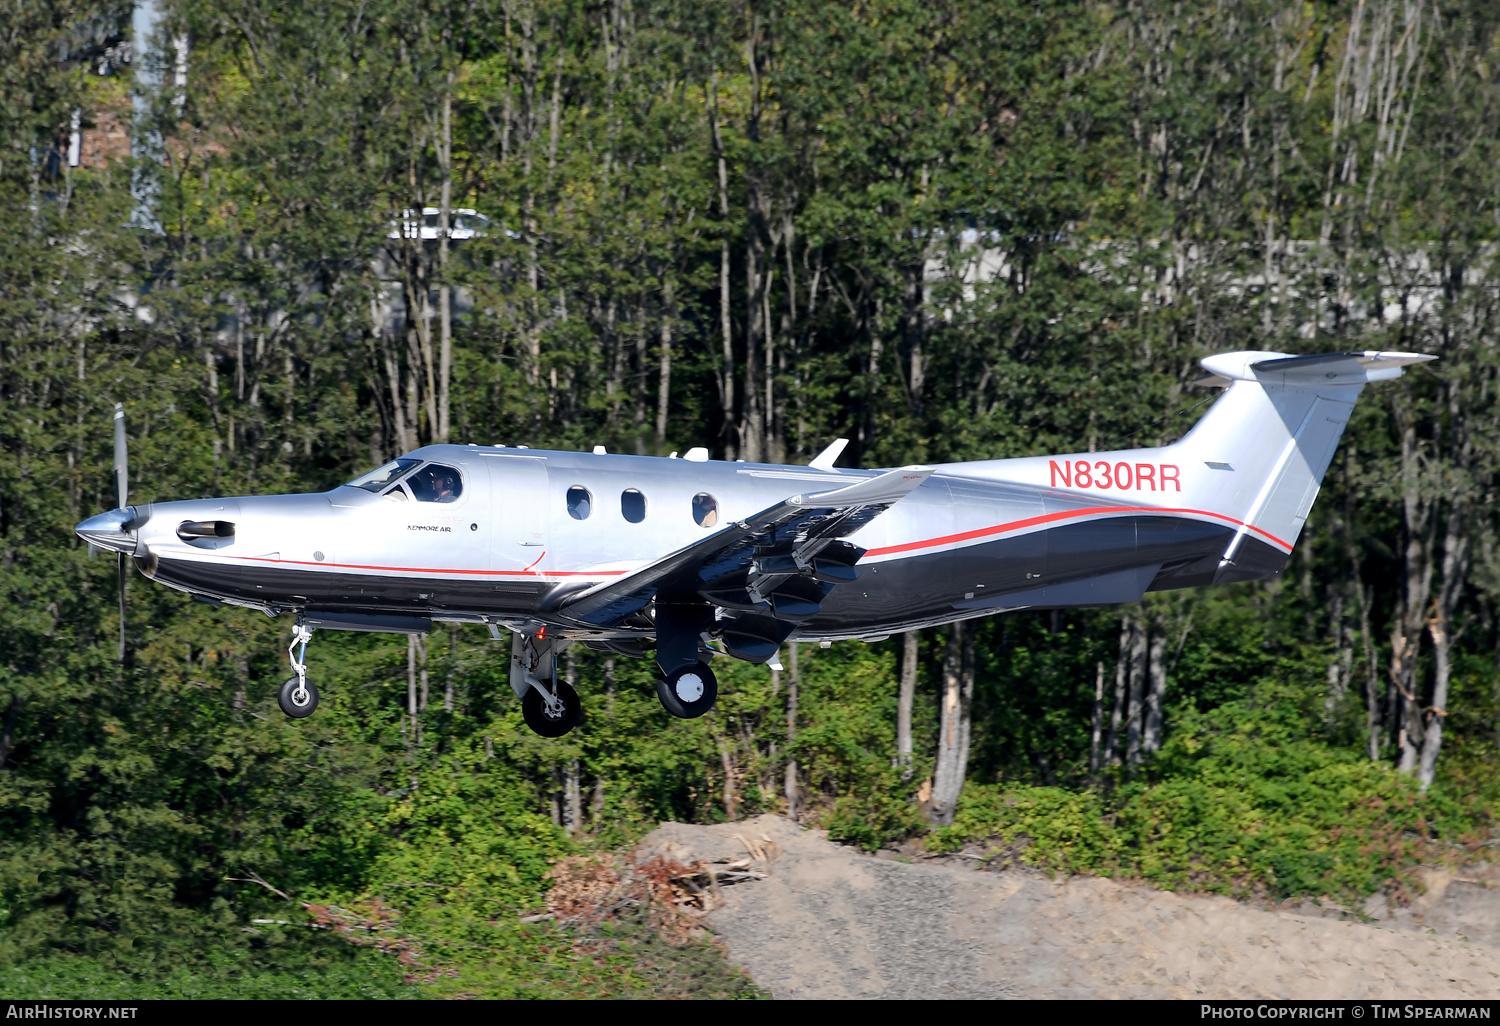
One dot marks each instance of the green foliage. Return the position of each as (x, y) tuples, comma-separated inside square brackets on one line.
[(285, 972), (1112, 192), (1241, 801)]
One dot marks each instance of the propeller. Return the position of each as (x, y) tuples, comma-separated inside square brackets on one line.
[(118, 530), (122, 495)]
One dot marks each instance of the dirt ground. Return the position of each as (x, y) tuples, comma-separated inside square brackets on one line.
[(831, 922)]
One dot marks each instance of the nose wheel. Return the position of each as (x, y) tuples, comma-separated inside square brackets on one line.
[(297, 696), (689, 692), (551, 712)]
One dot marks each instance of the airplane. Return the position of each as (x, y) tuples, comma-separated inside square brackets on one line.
[(691, 559)]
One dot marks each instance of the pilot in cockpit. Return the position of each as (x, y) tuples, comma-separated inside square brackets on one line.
[(435, 483)]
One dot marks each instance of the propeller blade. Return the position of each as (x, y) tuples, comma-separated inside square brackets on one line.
[(122, 460), (122, 496), (122, 608)]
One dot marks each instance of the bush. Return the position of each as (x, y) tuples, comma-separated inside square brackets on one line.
[(1234, 804)]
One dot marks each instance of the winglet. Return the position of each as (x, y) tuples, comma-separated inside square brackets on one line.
[(824, 460), (889, 487)]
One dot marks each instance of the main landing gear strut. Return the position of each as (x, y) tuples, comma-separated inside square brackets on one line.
[(297, 696), (687, 687)]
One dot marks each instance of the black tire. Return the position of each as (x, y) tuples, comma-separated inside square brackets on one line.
[(535, 711), (284, 698), (676, 691)]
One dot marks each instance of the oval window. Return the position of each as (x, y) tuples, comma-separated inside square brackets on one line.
[(580, 502), (633, 505), (705, 510)]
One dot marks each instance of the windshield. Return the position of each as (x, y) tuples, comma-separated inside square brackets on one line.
[(378, 478)]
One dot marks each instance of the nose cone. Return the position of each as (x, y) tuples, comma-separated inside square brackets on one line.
[(115, 530)]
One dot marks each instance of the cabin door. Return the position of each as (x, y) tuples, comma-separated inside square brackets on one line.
[(519, 513)]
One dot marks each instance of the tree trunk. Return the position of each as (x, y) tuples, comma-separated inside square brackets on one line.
[(1415, 588), (1362, 602), (1096, 722), (904, 702), (445, 304), (726, 758), (422, 671), (953, 737), (451, 669), (753, 425), (914, 328), (1156, 693), (1455, 567), (1133, 718), (794, 684), (1117, 711), (752, 428), (411, 675), (664, 375), (572, 804), (726, 330)]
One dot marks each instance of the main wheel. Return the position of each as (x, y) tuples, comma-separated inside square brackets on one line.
[(689, 692), (549, 724), (296, 699)]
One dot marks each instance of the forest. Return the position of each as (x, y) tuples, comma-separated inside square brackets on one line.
[(295, 240)]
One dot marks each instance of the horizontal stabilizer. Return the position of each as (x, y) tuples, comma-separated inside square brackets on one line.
[(1270, 368)]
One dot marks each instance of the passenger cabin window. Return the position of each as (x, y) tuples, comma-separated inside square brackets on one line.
[(633, 505), (378, 478), (580, 502), (436, 483), (705, 509)]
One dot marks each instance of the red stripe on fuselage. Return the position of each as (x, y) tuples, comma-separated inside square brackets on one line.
[(1051, 518)]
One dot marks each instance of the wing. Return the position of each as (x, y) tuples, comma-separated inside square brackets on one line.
[(766, 573)]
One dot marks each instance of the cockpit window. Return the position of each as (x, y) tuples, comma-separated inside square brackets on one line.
[(378, 478), (436, 483), (705, 510), (580, 502)]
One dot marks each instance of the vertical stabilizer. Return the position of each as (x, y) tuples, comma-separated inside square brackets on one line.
[(1271, 437)]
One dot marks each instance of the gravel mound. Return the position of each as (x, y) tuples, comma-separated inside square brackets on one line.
[(831, 922)]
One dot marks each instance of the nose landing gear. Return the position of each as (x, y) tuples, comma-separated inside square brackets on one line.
[(296, 696), (549, 705), (551, 712)]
